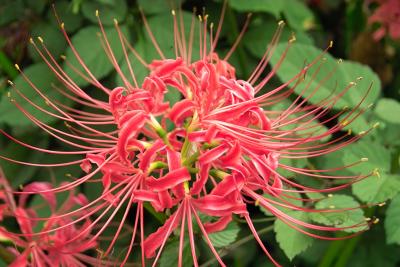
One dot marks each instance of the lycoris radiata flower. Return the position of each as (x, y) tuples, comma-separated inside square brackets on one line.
[(221, 157)]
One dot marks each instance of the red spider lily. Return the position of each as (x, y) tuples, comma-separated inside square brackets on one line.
[(388, 16), (51, 247), (222, 156)]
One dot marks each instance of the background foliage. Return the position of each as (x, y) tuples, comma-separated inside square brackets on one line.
[(315, 23)]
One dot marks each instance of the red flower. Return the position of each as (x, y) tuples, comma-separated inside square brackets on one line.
[(388, 16), (221, 157)]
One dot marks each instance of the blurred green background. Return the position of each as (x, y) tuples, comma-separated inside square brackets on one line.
[(315, 23)]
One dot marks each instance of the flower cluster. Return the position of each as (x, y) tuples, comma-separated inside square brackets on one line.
[(388, 16), (202, 161)]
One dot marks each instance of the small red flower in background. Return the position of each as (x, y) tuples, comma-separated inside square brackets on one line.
[(60, 241), (387, 14), (221, 157)]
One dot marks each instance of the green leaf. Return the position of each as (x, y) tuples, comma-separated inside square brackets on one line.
[(291, 197), (377, 155), (392, 222), (92, 53), (158, 6), (323, 76), (291, 241), (11, 10), (226, 236), (377, 189), (388, 109), (270, 6), (169, 256), (16, 174), (42, 77), (116, 9), (53, 39), (260, 34), (64, 10), (298, 15), (340, 218)]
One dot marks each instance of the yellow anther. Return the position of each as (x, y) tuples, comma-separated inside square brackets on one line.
[(382, 204), (63, 57), (281, 23), (330, 195), (368, 219), (173, 12), (331, 206), (376, 125), (352, 83), (257, 202), (206, 17), (345, 122), (97, 12), (349, 132), (115, 21), (362, 133), (364, 159), (345, 108), (330, 44), (340, 60), (292, 39), (21, 187), (10, 82), (8, 94), (324, 59), (360, 78), (376, 173), (17, 67), (31, 40), (200, 18), (376, 221), (211, 25), (68, 175), (62, 25), (40, 39)]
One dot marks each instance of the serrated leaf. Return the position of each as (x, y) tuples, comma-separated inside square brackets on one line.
[(92, 53), (293, 198), (377, 156), (377, 189), (270, 6), (291, 241), (340, 218), (42, 78), (301, 54), (225, 237), (169, 256), (392, 222), (388, 109)]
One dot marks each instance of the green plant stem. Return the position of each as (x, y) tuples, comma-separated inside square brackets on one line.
[(331, 253), (347, 251), (225, 251)]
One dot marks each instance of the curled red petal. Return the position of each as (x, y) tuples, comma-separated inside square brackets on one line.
[(169, 180)]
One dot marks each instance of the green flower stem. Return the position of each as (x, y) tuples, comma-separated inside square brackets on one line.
[(331, 253)]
